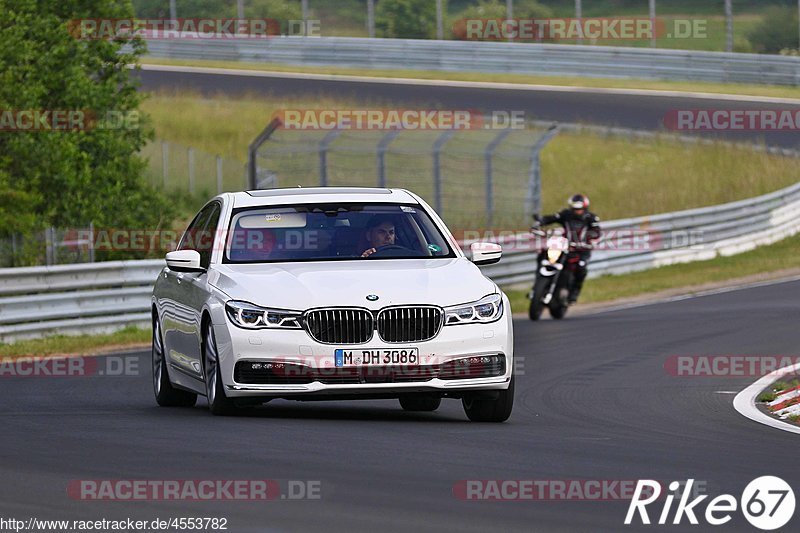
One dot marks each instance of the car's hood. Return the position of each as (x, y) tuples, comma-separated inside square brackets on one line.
[(347, 283)]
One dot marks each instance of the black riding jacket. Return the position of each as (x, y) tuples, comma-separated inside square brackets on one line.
[(583, 228)]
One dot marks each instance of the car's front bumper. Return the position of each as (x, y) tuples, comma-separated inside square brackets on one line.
[(296, 347)]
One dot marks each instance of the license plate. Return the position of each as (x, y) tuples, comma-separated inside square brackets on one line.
[(377, 357)]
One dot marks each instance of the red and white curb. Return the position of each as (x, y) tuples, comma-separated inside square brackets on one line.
[(786, 404), (745, 401)]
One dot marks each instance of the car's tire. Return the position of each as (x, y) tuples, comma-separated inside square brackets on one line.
[(486, 409), (166, 394), (420, 402), (218, 402), (536, 307)]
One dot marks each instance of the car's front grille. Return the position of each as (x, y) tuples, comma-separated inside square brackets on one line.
[(340, 326), (266, 373), (409, 324)]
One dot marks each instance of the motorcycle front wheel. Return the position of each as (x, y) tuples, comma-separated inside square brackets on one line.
[(537, 306)]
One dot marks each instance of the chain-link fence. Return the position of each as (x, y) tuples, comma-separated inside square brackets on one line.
[(173, 167), (474, 178), (50, 246)]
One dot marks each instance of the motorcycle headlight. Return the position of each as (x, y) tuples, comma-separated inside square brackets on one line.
[(250, 316), (553, 255), (487, 309)]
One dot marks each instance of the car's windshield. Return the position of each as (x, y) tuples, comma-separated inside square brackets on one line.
[(334, 231)]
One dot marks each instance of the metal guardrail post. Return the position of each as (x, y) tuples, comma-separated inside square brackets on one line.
[(533, 200), (438, 146), (487, 155), (323, 156), (383, 146)]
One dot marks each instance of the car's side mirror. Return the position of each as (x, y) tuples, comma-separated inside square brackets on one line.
[(486, 253), (184, 261)]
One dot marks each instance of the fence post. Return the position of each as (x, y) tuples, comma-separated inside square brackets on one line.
[(533, 200), (371, 18), (13, 249), (219, 175), (251, 169), (383, 146), (438, 146), (164, 161), (729, 25), (653, 25), (439, 20), (190, 156), (91, 242), (579, 16), (489, 174), (50, 252), (323, 156)]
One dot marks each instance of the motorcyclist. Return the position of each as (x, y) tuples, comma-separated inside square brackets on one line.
[(580, 226)]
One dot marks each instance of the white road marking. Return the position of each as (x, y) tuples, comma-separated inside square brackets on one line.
[(745, 401)]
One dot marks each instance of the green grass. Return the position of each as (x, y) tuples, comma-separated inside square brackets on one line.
[(534, 79), (766, 397), (779, 256), (82, 344)]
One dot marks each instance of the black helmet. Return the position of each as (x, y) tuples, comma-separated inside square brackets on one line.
[(578, 201)]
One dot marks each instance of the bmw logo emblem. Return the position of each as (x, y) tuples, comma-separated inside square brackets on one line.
[(372, 297)]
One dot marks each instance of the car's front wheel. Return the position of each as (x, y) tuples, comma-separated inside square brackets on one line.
[(481, 407), (218, 402), (166, 394), (420, 402)]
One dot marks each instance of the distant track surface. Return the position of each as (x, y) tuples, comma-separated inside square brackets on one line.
[(570, 105), (593, 401)]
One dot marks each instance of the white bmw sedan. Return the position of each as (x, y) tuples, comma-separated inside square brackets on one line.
[(328, 294)]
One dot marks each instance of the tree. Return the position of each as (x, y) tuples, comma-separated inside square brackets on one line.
[(406, 19), (69, 178), (776, 31)]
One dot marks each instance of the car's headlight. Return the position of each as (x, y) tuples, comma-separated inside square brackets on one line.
[(487, 309), (250, 316)]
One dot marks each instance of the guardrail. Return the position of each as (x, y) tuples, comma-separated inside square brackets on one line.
[(491, 57), (105, 296)]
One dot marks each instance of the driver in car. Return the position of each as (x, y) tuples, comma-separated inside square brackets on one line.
[(380, 232)]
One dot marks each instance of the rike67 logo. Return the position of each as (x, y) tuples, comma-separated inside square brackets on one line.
[(767, 503)]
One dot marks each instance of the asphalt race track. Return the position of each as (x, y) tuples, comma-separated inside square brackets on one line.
[(623, 110), (593, 402)]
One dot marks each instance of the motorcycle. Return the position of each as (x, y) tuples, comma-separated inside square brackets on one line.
[(554, 275)]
